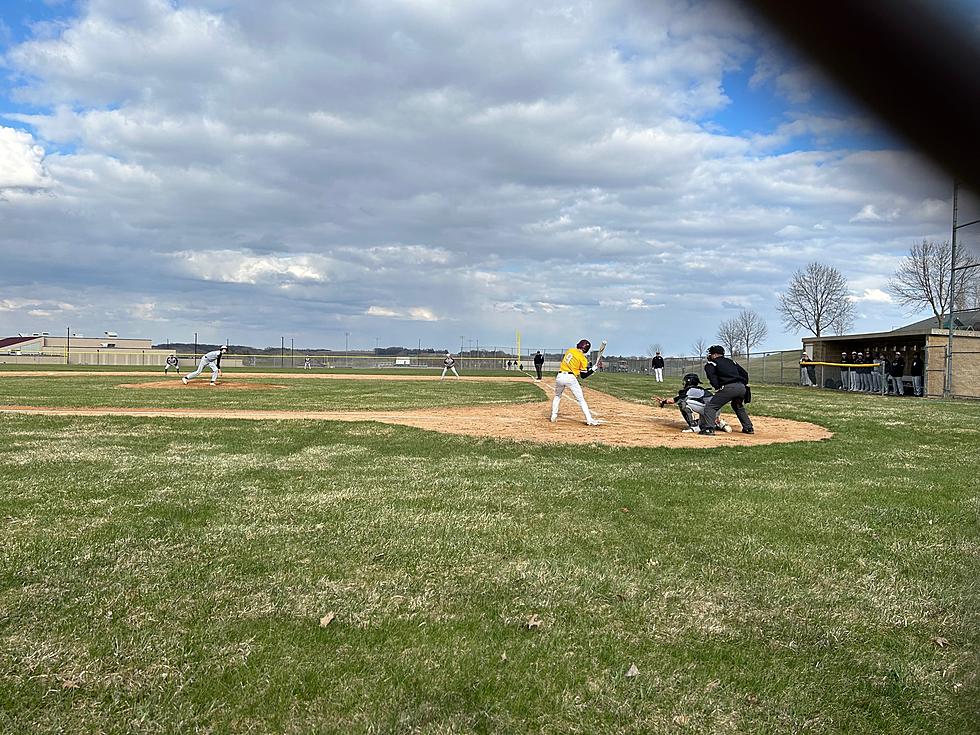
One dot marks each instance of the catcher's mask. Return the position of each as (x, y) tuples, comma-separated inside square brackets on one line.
[(691, 379)]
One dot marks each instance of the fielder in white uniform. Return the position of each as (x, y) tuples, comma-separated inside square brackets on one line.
[(172, 362), (211, 360), (574, 365), (449, 364)]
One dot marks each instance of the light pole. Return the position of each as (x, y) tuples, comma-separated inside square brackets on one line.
[(948, 388), (292, 346), (195, 346), (347, 348), (282, 351), (461, 338)]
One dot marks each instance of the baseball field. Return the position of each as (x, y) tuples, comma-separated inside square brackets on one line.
[(297, 553)]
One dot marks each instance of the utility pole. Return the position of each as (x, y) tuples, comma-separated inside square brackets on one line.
[(347, 348), (195, 345), (461, 338), (291, 348), (68, 345), (282, 351)]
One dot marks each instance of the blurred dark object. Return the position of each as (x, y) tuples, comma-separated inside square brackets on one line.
[(914, 64)]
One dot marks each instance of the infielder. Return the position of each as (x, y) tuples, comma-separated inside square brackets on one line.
[(449, 364), (211, 360), (574, 365), (172, 362), (691, 399)]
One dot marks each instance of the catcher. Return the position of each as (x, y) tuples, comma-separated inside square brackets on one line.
[(690, 400)]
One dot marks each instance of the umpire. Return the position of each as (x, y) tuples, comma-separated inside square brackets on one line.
[(731, 382)]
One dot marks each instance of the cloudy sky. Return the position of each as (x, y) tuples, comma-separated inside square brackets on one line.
[(405, 170)]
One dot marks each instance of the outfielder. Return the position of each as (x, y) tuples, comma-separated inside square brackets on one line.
[(691, 399), (449, 364), (211, 360), (574, 365), (172, 362)]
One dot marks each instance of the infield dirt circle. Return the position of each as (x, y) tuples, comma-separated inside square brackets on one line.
[(626, 424)]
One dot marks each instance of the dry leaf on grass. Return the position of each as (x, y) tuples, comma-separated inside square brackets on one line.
[(681, 719), (632, 671), (940, 641), (69, 684), (533, 622), (327, 619), (503, 656)]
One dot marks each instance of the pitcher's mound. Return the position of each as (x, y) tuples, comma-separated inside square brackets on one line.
[(203, 384)]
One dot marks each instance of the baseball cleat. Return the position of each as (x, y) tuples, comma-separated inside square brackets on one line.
[(184, 381), (726, 427), (692, 430), (594, 422), (706, 432), (554, 419), (748, 431)]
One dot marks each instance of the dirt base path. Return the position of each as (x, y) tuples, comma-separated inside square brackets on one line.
[(626, 424)]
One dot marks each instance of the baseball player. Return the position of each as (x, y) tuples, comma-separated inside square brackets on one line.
[(211, 360), (574, 365), (691, 400), (449, 364), (307, 365), (172, 362)]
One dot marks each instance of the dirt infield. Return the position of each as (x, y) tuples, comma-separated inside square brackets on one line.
[(626, 424)]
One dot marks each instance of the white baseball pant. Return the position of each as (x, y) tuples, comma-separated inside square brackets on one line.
[(200, 369), (567, 380), (453, 368)]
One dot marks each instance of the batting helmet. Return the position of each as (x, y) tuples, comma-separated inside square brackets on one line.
[(691, 379), (584, 345), (716, 350), (223, 348)]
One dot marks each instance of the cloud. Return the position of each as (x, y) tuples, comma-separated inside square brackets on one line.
[(416, 313), (21, 162), (422, 168), (873, 295), (230, 266)]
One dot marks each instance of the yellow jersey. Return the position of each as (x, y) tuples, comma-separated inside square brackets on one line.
[(574, 361)]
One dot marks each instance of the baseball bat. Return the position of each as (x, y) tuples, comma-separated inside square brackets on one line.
[(598, 358)]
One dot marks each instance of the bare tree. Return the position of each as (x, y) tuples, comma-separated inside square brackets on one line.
[(699, 346), (745, 331), (654, 349), (728, 335), (816, 300), (923, 276)]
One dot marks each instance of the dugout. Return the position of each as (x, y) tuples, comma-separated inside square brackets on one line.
[(925, 337)]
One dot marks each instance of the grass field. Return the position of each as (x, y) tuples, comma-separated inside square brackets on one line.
[(169, 575)]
